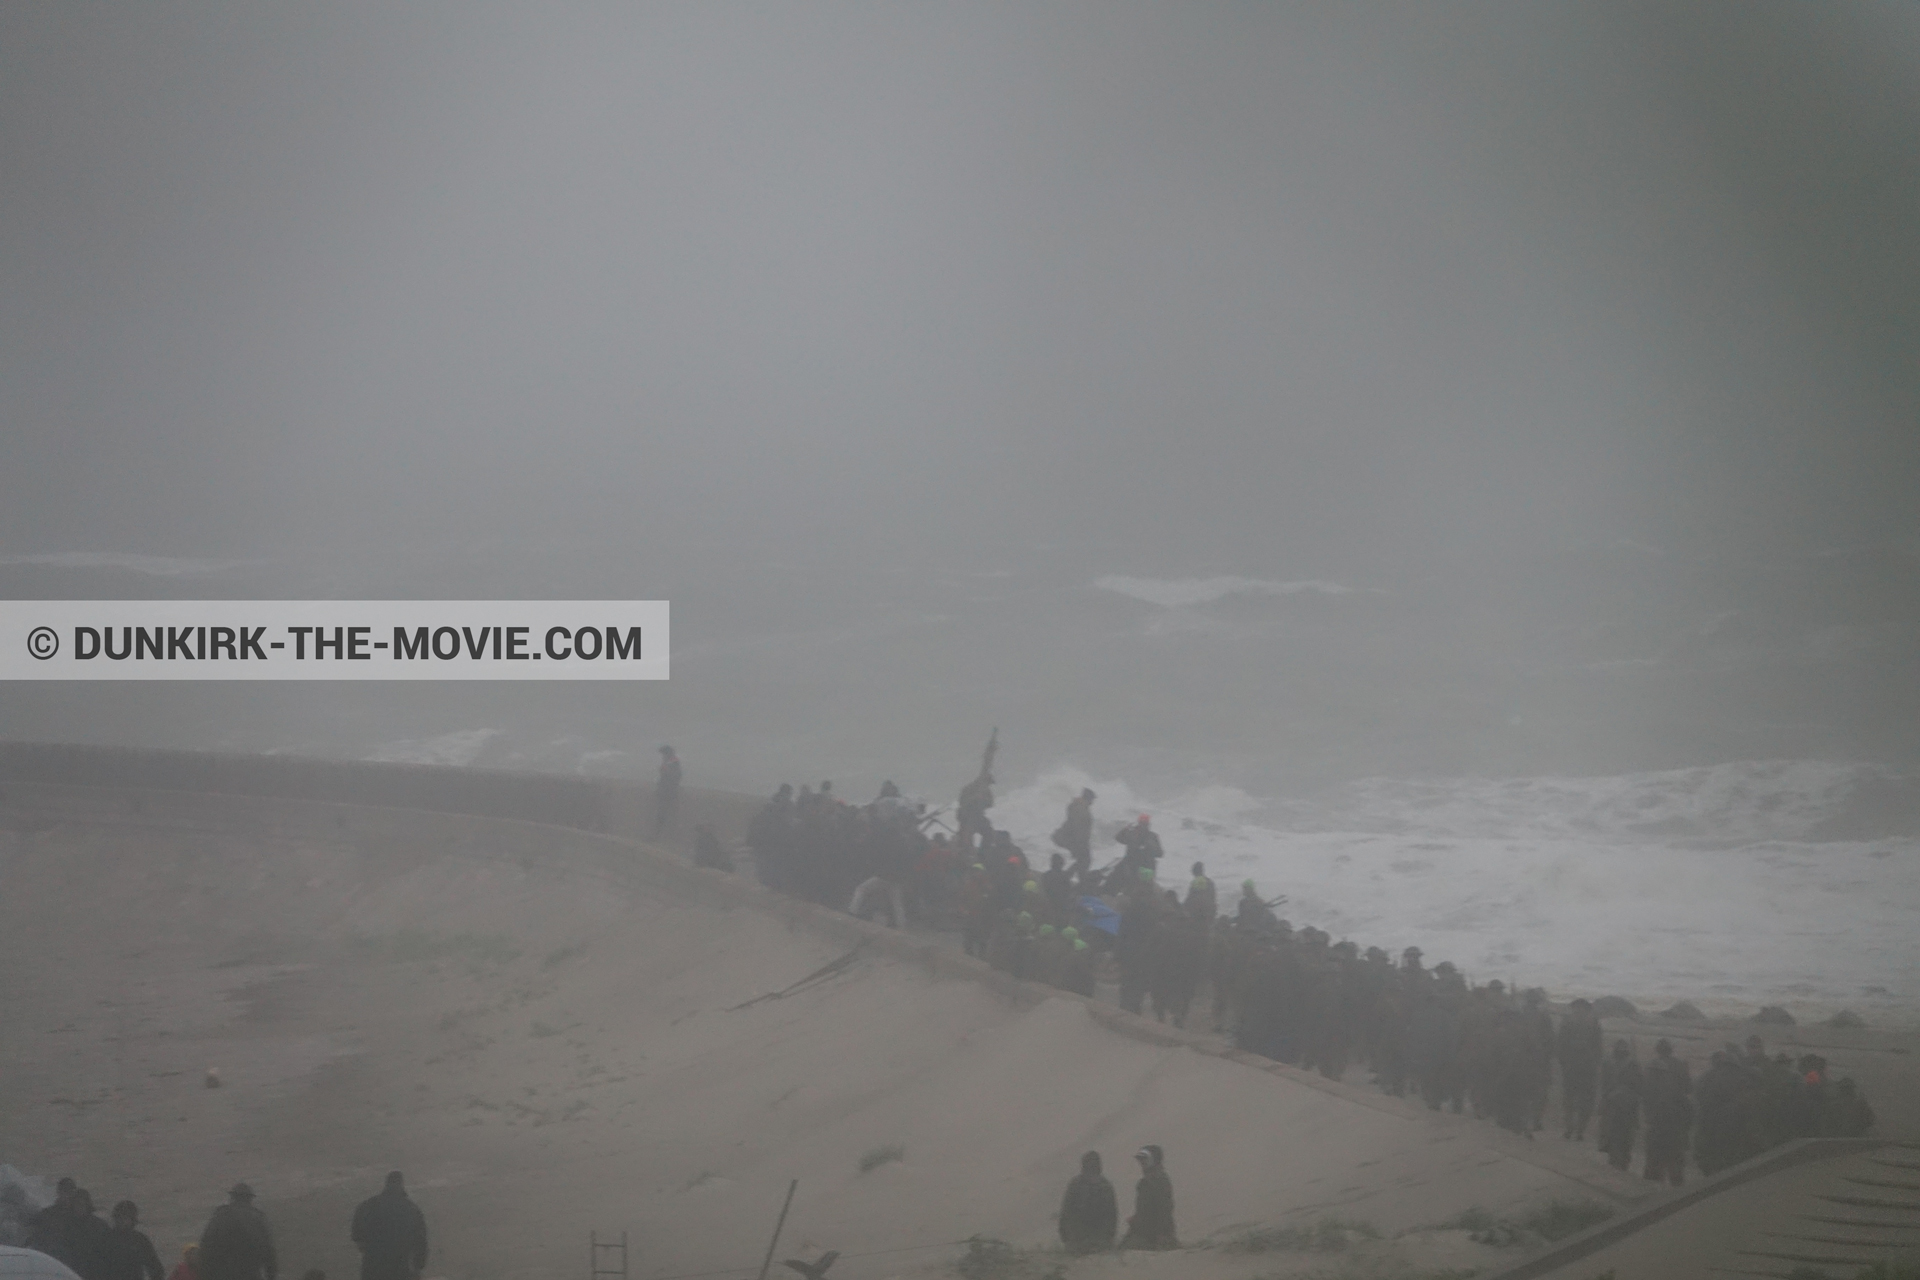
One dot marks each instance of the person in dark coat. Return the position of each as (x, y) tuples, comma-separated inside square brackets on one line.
[(391, 1233), (1075, 834), (666, 792), (237, 1243), (82, 1237), (1667, 1098), (1151, 1226), (1203, 900), (1136, 945), (1143, 850), (1179, 962), (126, 1253), (50, 1230), (16, 1216), (1578, 1048), (1089, 1214), (1620, 1081), (1253, 913), (1057, 883)]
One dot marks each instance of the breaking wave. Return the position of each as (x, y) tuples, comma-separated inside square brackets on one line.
[(1731, 885), (1184, 593)]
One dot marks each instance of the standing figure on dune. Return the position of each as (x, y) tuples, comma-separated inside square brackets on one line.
[(1143, 850), (1136, 945), (1075, 835), (1619, 1105), (970, 815), (1579, 1049), (1667, 1094), (666, 793)]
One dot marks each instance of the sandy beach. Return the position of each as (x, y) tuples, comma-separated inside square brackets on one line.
[(555, 1033)]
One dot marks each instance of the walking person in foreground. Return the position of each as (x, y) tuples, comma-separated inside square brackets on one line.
[(238, 1244), (391, 1233)]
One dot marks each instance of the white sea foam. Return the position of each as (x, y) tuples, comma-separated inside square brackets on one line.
[(1184, 593), (461, 748), (1699, 884)]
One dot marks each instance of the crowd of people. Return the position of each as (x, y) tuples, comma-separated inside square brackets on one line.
[(1295, 995), (237, 1244)]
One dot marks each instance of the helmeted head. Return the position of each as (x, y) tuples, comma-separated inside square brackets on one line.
[(1046, 931), (1070, 933), (1145, 820)]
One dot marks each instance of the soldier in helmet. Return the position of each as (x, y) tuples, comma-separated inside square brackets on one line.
[(237, 1243)]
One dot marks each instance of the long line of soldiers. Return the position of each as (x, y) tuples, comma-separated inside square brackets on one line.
[(1293, 995)]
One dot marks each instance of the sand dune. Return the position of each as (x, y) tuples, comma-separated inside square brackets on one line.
[(554, 1032)]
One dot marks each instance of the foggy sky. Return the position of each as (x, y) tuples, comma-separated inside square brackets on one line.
[(1583, 340), (1310, 288)]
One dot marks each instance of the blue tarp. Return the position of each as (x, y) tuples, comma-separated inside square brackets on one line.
[(1101, 916)]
